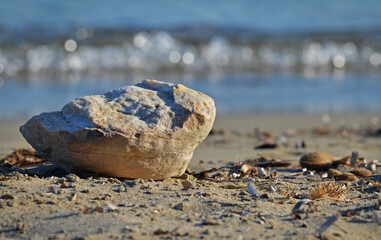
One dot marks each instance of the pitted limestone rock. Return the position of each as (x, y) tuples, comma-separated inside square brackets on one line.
[(148, 130)]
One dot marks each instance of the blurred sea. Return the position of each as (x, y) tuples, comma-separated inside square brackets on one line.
[(312, 56)]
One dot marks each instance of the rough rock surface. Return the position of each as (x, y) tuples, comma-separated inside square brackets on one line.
[(149, 130)]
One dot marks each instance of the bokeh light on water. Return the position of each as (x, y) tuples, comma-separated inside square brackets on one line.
[(320, 56)]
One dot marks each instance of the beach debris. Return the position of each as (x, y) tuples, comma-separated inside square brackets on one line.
[(162, 232), (112, 207), (303, 208), (268, 144), (262, 172), (186, 175), (263, 135), (7, 196), (252, 190), (321, 161), (235, 175), (86, 210), (23, 158), (347, 177), (322, 131), (372, 165), (292, 132), (266, 162), (74, 197), (150, 129), (354, 157), (98, 209), (323, 175), (187, 184), (299, 144), (308, 173), (362, 172), (211, 222), (72, 178), (329, 190), (246, 168)]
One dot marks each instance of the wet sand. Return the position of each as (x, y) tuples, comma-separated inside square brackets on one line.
[(45, 203)]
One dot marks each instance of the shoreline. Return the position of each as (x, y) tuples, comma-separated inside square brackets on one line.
[(11, 138)]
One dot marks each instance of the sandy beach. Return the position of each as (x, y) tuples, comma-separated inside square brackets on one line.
[(45, 203)]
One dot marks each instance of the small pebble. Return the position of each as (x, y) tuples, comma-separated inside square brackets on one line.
[(7, 196), (72, 178), (98, 209), (112, 207), (181, 206), (187, 184), (252, 190)]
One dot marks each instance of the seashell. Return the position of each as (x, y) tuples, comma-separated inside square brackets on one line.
[(246, 168), (112, 207), (347, 177), (252, 190), (235, 175), (303, 208), (321, 161), (361, 172), (262, 172)]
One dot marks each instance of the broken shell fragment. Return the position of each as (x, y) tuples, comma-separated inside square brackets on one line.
[(246, 168), (148, 130), (321, 161), (252, 190), (303, 208)]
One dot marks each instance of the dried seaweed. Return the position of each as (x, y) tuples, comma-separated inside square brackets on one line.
[(263, 161), (267, 145), (23, 158), (249, 168), (329, 190)]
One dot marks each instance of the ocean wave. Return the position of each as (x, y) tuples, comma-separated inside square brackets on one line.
[(187, 50)]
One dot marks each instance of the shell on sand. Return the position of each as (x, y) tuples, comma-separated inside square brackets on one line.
[(317, 161), (321, 161), (148, 130)]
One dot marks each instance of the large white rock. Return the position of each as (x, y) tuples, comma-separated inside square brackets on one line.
[(149, 130)]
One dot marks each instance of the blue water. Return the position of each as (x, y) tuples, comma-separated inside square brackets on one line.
[(251, 56), (260, 14)]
